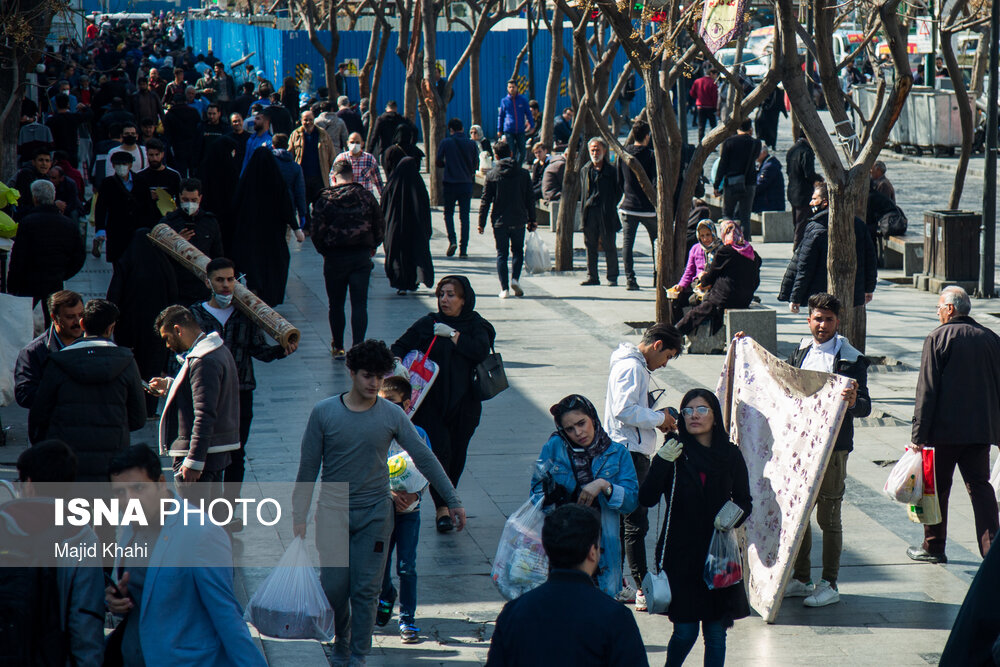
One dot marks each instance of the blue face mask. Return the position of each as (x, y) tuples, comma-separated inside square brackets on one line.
[(224, 300)]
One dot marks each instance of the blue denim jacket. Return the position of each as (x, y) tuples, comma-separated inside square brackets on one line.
[(614, 465)]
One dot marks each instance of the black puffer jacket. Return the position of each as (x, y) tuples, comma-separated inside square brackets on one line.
[(47, 251), (508, 192), (90, 397), (346, 217), (636, 200)]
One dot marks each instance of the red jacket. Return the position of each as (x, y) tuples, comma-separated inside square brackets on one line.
[(705, 93)]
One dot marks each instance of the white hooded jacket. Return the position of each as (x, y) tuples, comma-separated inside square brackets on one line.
[(628, 418)]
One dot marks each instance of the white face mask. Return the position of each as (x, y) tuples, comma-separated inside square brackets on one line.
[(223, 299), (355, 148), (189, 207), (121, 170)]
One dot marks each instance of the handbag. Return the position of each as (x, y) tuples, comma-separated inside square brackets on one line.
[(489, 377), (655, 586)]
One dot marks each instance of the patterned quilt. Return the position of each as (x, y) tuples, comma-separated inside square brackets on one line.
[(785, 421)]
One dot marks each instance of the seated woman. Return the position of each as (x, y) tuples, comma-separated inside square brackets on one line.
[(710, 473), (733, 276), (581, 464), (699, 258)]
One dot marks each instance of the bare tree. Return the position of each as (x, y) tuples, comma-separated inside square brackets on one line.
[(555, 27), (848, 183), (321, 15)]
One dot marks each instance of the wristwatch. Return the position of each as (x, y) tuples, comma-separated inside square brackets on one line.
[(607, 491)]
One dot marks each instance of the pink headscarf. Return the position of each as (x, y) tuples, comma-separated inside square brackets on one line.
[(732, 235)]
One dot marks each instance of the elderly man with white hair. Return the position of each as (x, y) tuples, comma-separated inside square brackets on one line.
[(880, 183), (957, 412), (47, 250)]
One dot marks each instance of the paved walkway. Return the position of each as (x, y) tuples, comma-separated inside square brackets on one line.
[(557, 340)]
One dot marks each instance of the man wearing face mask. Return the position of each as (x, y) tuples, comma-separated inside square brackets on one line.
[(130, 145), (261, 137), (246, 342), (123, 204), (200, 229), (363, 165), (600, 194)]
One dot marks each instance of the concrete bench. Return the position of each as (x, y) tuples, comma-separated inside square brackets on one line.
[(477, 187), (904, 252), (551, 211), (766, 227), (758, 322)]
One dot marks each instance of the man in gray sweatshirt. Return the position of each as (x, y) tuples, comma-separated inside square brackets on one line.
[(348, 436)]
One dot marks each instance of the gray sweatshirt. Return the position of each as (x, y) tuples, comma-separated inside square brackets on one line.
[(352, 448)]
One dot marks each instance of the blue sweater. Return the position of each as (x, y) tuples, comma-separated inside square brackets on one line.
[(513, 111)]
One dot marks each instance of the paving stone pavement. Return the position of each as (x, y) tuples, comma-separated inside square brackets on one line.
[(557, 340)]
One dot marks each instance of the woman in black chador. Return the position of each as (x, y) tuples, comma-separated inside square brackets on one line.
[(406, 207)]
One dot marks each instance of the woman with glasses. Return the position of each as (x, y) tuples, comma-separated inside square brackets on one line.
[(581, 464), (710, 474)]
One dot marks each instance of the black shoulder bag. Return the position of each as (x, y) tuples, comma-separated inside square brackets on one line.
[(489, 377)]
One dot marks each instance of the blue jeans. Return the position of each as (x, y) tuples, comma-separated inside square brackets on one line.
[(510, 241), (461, 194), (683, 639), (404, 541), (517, 146)]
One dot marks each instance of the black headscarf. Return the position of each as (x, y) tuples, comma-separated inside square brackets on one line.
[(468, 314), (581, 457), (705, 459), (264, 212), (406, 207), (219, 174), (403, 145)]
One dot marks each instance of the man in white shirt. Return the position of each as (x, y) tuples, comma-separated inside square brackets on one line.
[(629, 419), (829, 352)]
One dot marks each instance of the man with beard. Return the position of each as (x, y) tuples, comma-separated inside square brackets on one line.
[(65, 308), (261, 137), (159, 175), (130, 145), (200, 229), (41, 162)]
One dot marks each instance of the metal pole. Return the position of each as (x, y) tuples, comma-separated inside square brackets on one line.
[(987, 237)]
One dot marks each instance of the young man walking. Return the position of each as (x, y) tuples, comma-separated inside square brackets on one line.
[(347, 440), (459, 157), (630, 420), (636, 208), (829, 352), (514, 120)]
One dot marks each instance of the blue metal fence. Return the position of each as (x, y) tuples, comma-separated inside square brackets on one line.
[(279, 52)]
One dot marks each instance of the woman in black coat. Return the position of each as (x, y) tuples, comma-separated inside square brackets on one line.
[(733, 277), (406, 207), (710, 472), (404, 144), (450, 411)]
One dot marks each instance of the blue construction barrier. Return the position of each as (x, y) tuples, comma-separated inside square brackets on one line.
[(279, 52)]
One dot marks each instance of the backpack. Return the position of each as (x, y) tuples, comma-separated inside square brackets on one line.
[(343, 221), (31, 632), (892, 224)]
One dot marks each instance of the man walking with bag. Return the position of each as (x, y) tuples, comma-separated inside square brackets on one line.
[(957, 413), (736, 175)]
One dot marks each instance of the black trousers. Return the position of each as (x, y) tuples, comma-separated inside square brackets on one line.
[(630, 226), (973, 462), (705, 116), (234, 472), (313, 185), (450, 436), (460, 194), (342, 273), (635, 525), (209, 484), (509, 241), (597, 233)]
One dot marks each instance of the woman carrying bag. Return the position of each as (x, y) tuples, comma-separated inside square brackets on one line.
[(451, 409), (712, 485), (581, 464)]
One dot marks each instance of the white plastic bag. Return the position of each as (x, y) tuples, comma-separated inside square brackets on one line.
[(403, 473), (521, 564), (536, 254), (906, 481), (724, 563), (290, 603), (995, 477)]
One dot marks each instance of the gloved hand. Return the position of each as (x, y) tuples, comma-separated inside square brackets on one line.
[(399, 370), (670, 450), (443, 330)]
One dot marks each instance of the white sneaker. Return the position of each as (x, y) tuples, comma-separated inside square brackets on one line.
[(516, 287), (503, 294), (797, 589), (824, 594), (627, 594), (640, 601)]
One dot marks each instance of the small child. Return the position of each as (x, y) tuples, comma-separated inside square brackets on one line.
[(397, 390)]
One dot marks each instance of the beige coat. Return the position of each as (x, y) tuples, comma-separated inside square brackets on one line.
[(297, 142)]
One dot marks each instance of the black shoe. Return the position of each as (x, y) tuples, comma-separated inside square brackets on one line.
[(590, 281), (451, 249), (234, 526), (444, 524), (384, 612), (613, 283), (922, 556), (463, 253), (632, 286)]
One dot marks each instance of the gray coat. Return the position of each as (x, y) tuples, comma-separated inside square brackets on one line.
[(958, 388)]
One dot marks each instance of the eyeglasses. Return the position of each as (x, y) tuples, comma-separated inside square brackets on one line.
[(701, 411)]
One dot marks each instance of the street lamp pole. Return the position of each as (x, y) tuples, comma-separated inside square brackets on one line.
[(987, 239)]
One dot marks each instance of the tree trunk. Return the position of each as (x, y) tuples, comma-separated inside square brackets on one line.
[(570, 198), (550, 111), (414, 66), (841, 258), (383, 47), (475, 92), (364, 81), (434, 128), (965, 105)]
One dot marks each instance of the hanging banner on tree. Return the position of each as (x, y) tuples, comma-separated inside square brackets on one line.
[(721, 21)]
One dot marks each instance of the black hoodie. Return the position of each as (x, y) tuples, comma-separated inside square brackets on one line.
[(508, 189), (90, 397)]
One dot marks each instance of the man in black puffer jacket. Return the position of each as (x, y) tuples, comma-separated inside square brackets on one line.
[(90, 395), (508, 191)]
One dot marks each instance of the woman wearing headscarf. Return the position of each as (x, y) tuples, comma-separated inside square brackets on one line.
[(451, 410), (581, 464), (699, 258), (219, 174), (264, 214), (710, 473), (143, 284), (403, 145), (733, 276), (289, 95), (406, 207)]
